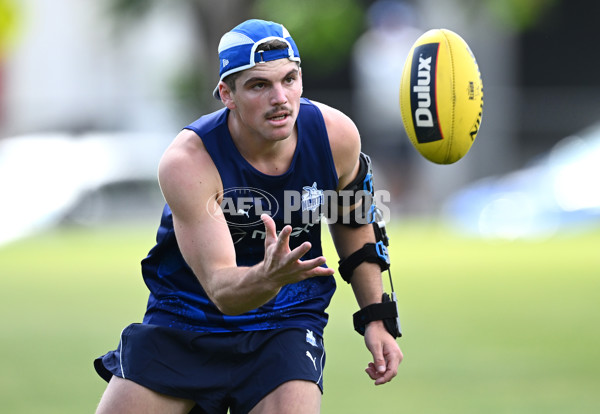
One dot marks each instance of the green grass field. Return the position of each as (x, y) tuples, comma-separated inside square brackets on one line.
[(490, 327)]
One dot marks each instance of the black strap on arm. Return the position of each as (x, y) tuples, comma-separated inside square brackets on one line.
[(370, 252), (386, 311)]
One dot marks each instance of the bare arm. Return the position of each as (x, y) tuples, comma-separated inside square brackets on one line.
[(191, 184), (366, 280)]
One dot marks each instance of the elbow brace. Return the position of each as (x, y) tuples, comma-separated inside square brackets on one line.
[(362, 191)]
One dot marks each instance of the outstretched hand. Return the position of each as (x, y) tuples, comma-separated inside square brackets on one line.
[(282, 263)]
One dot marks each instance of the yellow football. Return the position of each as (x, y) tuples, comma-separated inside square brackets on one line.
[(441, 96)]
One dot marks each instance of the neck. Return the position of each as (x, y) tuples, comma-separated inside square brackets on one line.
[(269, 156)]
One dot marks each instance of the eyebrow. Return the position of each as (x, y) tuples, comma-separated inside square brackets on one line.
[(261, 79)]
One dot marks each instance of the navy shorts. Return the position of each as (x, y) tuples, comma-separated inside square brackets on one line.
[(219, 371)]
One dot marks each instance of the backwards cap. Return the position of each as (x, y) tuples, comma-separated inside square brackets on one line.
[(237, 48)]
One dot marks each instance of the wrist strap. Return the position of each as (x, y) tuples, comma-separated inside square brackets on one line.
[(387, 311)]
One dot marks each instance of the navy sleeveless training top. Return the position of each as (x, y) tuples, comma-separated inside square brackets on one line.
[(295, 197)]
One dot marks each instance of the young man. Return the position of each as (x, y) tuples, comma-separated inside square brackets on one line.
[(238, 284)]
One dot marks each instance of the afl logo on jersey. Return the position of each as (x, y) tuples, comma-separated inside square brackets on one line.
[(243, 206)]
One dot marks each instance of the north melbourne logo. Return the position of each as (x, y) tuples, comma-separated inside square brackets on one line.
[(310, 337), (312, 198)]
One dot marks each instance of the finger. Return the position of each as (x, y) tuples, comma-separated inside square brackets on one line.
[(377, 369), (317, 272), (391, 370), (370, 370), (379, 362), (387, 377), (270, 229), (315, 265), (283, 240), (378, 377), (300, 251), (322, 271)]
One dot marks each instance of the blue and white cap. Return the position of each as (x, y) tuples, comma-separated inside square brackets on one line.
[(237, 48)]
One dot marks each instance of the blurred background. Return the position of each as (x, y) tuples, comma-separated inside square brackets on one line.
[(91, 93)]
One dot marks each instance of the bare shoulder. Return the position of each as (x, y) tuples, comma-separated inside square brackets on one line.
[(186, 172), (344, 140)]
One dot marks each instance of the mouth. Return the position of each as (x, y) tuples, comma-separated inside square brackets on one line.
[(278, 117)]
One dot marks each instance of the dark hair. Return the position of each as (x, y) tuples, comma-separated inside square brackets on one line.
[(270, 45)]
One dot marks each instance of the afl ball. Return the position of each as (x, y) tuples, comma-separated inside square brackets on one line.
[(441, 96)]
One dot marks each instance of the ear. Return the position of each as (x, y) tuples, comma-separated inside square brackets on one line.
[(300, 77), (226, 95)]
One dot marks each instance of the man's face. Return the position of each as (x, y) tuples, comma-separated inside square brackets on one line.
[(267, 99)]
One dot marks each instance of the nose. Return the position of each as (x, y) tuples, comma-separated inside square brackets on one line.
[(278, 95)]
